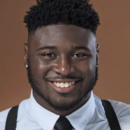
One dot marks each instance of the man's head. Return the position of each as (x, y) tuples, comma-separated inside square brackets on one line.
[(61, 52)]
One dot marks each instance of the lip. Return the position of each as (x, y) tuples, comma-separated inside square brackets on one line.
[(63, 90), (64, 80)]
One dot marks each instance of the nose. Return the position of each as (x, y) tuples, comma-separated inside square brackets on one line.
[(63, 66)]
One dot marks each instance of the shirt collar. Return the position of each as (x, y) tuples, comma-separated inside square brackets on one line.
[(42, 115), (78, 118)]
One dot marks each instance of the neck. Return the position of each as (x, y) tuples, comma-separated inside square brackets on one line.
[(45, 104)]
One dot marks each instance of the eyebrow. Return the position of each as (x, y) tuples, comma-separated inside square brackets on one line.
[(82, 48), (53, 47), (46, 47)]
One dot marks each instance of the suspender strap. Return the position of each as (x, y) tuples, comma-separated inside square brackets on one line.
[(111, 116), (12, 119)]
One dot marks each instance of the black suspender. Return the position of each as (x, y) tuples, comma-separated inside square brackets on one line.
[(110, 114), (12, 119)]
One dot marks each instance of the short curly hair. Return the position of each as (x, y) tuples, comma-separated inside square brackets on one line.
[(68, 12)]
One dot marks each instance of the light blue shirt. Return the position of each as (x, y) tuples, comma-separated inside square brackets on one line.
[(91, 116)]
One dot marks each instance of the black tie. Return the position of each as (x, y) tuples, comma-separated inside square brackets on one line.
[(63, 124)]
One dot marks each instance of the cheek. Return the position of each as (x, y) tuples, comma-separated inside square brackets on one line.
[(87, 68), (87, 65), (38, 66), (92, 66)]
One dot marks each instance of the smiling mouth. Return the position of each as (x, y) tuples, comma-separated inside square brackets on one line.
[(63, 87), (64, 84)]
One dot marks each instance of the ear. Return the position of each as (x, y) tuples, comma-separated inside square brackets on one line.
[(26, 54), (97, 53)]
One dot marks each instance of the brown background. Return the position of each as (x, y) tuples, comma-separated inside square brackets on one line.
[(113, 35)]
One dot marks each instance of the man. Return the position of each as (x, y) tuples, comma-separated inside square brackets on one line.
[(61, 58)]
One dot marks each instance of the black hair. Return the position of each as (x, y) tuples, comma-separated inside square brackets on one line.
[(69, 12)]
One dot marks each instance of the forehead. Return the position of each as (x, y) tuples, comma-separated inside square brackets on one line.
[(61, 35)]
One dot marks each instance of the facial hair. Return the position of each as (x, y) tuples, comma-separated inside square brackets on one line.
[(62, 106)]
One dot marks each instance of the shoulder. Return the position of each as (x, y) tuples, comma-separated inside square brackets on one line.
[(3, 117), (21, 107), (121, 109), (4, 114)]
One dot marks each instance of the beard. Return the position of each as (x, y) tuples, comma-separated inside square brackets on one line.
[(63, 105)]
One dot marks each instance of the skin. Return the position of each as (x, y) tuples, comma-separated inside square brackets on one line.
[(52, 56)]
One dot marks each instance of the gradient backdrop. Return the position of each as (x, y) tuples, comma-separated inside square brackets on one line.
[(113, 35)]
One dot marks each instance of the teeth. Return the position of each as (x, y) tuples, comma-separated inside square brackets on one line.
[(63, 84), (67, 85), (58, 84)]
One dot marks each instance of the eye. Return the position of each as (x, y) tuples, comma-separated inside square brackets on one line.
[(48, 55), (80, 55)]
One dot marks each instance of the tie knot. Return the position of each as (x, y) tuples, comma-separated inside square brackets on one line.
[(63, 124)]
